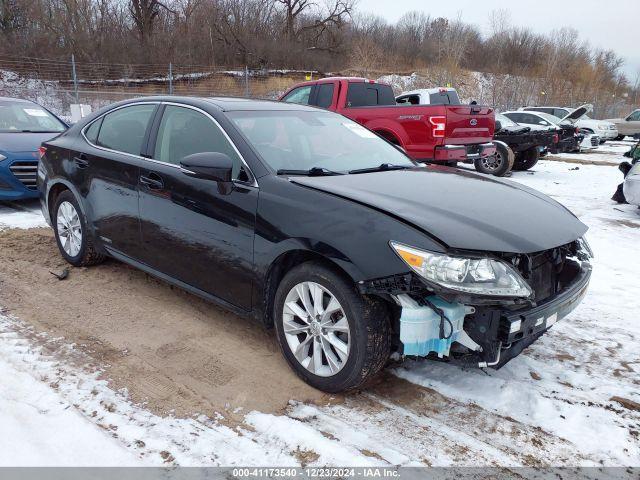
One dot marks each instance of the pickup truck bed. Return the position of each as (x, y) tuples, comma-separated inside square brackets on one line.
[(430, 133)]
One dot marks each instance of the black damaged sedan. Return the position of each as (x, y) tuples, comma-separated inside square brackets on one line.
[(318, 227)]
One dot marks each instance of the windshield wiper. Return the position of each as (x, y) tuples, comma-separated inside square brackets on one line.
[(381, 168), (312, 172)]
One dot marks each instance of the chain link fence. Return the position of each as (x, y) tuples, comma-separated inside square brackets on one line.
[(58, 84)]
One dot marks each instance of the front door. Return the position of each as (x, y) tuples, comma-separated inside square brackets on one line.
[(191, 230)]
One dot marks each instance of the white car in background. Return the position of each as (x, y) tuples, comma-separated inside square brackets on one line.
[(605, 129), (429, 96), (545, 121)]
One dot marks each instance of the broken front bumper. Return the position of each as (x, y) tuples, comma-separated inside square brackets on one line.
[(491, 333)]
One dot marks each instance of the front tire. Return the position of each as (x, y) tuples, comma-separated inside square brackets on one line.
[(333, 337), (72, 235), (499, 165)]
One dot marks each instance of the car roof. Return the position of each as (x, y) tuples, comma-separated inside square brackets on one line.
[(16, 100), (226, 104), (427, 90), (230, 104)]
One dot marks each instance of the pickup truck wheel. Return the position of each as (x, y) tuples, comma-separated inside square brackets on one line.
[(72, 235), (333, 337), (620, 137), (499, 164), (527, 159)]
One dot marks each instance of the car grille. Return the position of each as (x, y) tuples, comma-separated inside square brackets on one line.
[(26, 172), (595, 141)]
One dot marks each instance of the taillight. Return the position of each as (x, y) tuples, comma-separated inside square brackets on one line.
[(439, 123), (556, 139), (42, 151), (577, 131)]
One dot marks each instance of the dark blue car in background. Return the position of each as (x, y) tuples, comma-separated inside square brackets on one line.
[(24, 125)]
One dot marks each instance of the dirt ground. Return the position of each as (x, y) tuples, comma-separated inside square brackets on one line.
[(167, 347)]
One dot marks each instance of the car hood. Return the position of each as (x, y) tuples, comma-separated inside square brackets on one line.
[(463, 210), (578, 113), (23, 142)]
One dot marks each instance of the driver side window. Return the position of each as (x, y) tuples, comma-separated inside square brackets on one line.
[(634, 117), (184, 131)]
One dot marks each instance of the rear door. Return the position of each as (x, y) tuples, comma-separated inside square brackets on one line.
[(192, 231), (107, 170)]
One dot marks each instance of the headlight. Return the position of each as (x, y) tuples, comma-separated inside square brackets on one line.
[(2, 157), (482, 276), (603, 126)]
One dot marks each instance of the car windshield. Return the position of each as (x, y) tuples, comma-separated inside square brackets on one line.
[(304, 140), (27, 117), (506, 121), (550, 118)]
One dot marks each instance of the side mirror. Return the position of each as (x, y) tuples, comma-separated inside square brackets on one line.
[(498, 125), (214, 166)]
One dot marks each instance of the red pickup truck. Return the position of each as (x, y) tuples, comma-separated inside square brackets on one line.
[(430, 133)]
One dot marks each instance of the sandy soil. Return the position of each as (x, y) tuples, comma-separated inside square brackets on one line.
[(167, 347)]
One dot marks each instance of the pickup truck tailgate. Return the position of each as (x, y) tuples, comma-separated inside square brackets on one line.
[(468, 124)]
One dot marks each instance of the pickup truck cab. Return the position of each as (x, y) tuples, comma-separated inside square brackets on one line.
[(428, 133)]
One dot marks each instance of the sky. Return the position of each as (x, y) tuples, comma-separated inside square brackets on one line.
[(609, 24)]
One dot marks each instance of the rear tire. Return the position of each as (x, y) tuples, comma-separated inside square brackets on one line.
[(527, 159), (498, 165), (620, 137), (359, 326), (74, 240)]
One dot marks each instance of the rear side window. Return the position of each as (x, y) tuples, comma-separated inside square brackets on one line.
[(299, 95), (369, 95), (92, 132), (124, 129), (408, 100), (448, 97), (324, 97)]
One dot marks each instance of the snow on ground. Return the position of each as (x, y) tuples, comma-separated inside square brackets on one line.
[(610, 153), (555, 404), (25, 214)]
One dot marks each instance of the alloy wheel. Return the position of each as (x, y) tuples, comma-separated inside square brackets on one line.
[(492, 162), (316, 329), (69, 228)]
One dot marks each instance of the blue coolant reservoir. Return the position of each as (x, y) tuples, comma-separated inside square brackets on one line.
[(420, 326)]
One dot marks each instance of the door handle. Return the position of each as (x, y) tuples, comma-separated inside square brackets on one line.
[(152, 181), (81, 161)]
